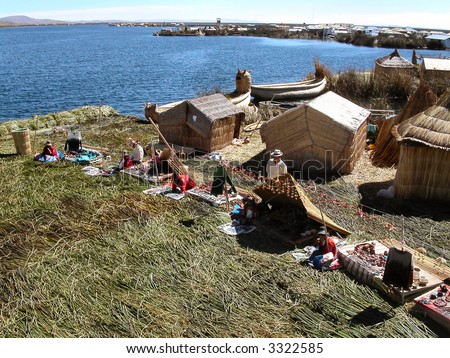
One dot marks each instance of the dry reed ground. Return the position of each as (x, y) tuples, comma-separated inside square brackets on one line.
[(94, 257)]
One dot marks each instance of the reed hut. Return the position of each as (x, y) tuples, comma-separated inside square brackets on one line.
[(435, 68), (326, 135), (387, 149), (206, 123), (393, 64), (423, 170)]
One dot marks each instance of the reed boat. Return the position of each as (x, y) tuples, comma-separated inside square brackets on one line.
[(290, 90), (240, 100)]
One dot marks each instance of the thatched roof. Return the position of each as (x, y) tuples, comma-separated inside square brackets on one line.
[(204, 112), (287, 191), (394, 60), (430, 127), (386, 151), (214, 107), (348, 114), (436, 64)]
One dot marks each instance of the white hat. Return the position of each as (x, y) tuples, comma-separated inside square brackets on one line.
[(322, 232), (276, 153)]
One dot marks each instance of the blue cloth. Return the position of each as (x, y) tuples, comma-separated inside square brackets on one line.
[(85, 157), (315, 260), (50, 158)]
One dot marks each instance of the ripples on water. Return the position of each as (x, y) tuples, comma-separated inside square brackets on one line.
[(56, 68)]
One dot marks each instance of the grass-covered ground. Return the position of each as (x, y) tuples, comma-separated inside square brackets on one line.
[(88, 256)]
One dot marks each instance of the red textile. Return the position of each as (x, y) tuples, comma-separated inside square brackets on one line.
[(183, 182), (127, 162), (328, 246), (50, 150)]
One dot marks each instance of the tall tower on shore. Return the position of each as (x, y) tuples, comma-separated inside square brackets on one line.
[(218, 21)]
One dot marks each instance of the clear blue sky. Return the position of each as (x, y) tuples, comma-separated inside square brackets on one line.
[(414, 13)]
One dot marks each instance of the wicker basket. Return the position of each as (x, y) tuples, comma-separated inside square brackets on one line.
[(22, 141)]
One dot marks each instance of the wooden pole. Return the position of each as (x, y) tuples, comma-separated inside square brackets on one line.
[(227, 199), (321, 212), (175, 163), (35, 131), (154, 160), (101, 118), (403, 233)]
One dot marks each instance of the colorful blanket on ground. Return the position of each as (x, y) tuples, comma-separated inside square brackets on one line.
[(49, 158), (86, 156)]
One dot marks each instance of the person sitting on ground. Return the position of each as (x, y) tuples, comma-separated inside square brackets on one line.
[(73, 143), (275, 166), (49, 149), (138, 152), (182, 182), (325, 251), (245, 213), (49, 153), (126, 161)]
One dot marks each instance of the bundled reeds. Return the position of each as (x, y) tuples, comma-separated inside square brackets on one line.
[(422, 170), (386, 151)]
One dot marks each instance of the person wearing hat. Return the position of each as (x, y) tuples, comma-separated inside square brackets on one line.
[(275, 166), (325, 251)]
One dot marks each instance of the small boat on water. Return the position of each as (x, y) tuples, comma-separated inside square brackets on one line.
[(289, 91)]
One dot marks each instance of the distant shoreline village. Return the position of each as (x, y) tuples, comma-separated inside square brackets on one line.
[(359, 35)]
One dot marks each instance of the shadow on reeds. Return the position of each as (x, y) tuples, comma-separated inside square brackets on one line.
[(371, 316), (7, 155), (371, 203), (261, 240)]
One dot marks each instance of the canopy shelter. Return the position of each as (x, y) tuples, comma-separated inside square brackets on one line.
[(286, 191)]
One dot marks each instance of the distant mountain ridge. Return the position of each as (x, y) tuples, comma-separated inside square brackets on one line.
[(21, 20)]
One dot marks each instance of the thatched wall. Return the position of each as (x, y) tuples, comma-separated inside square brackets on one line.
[(354, 149), (381, 71), (174, 116), (319, 140), (221, 135), (387, 149), (423, 172)]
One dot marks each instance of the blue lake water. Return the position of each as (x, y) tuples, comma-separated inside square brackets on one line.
[(56, 68)]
